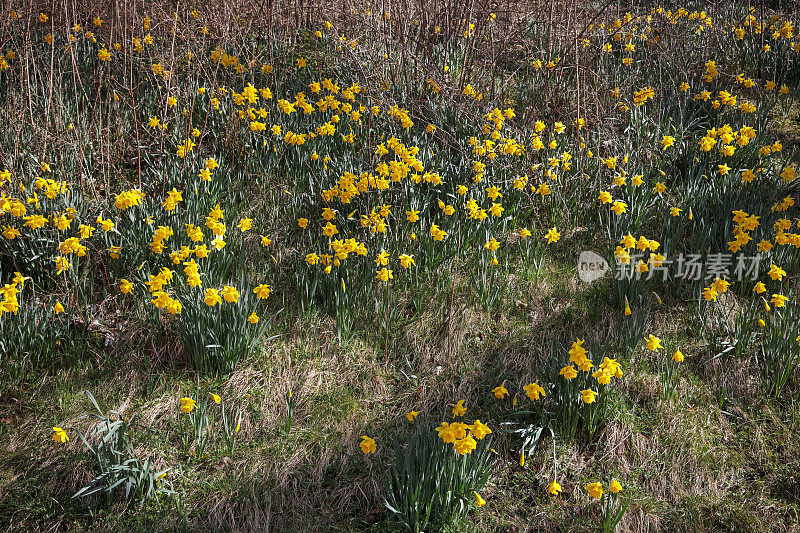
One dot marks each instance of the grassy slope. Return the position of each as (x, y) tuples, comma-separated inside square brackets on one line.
[(693, 463), (690, 463)]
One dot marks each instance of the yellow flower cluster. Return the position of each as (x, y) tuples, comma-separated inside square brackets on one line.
[(9, 292), (462, 436)]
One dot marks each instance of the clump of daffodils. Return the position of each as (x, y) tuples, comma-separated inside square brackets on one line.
[(462, 436)]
